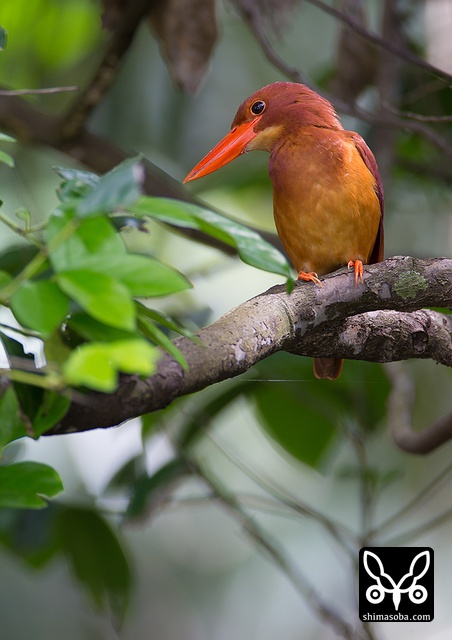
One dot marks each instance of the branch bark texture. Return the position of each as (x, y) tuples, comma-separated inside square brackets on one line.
[(380, 321)]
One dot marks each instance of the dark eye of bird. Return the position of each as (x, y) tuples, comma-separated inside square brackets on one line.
[(258, 107)]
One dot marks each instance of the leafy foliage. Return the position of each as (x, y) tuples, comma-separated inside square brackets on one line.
[(79, 291), (3, 38), (87, 541), (96, 557), (25, 484), (251, 248), (6, 158), (80, 295)]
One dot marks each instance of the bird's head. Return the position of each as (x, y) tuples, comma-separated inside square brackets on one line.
[(273, 113)]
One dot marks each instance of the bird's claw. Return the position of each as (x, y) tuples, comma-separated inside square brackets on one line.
[(358, 269), (310, 276)]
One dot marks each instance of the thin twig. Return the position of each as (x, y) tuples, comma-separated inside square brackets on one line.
[(255, 502), (381, 42), (367, 493), (252, 16), (22, 231), (45, 381), (339, 533), (32, 92), (420, 530), (413, 503), (264, 541), (416, 116)]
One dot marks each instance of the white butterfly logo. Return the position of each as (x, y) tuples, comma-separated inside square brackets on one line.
[(416, 592)]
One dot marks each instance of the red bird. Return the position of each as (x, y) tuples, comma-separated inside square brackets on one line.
[(327, 192)]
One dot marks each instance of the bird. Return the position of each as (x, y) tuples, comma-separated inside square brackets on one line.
[(328, 200)]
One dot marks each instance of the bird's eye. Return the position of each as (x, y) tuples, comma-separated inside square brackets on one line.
[(258, 107)]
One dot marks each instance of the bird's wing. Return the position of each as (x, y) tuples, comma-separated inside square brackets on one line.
[(370, 162)]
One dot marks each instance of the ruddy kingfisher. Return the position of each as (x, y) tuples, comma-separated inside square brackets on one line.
[(327, 192)]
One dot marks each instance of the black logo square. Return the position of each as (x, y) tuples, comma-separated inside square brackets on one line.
[(396, 584)]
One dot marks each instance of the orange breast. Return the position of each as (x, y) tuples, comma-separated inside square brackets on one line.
[(325, 205)]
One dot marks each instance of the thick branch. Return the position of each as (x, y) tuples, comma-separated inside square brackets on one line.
[(368, 322)]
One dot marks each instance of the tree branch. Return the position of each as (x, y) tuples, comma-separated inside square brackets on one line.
[(368, 322), (267, 545), (400, 413), (105, 75), (384, 43)]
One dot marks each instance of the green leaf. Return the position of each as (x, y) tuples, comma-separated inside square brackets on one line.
[(5, 279), (302, 430), (96, 557), (11, 424), (94, 241), (104, 298), (440, 310), (29, 534), (118, 188), (365, 388), (291, 411), (147, 277), (28, 396), (95, 331), (93, 237), (133, 356), (89, 366), (24, 216), (166, 321), (97, 246), (76, 184), (54, 407), (96, 365), (15, 258), (40, 306), (3, 38), (86, 178), (25, 483), (251, 247), (127, 474), (148, 487), (57, 349), (4, 137), (151, 421), (299, 412), (159, 338), (6, 159)]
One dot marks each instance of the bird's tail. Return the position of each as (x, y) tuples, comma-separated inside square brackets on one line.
[(328, 368)]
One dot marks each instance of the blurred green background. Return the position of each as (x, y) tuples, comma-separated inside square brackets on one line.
[(195, 574)]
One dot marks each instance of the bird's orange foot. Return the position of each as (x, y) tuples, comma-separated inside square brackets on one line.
[(358, 269), (311, 276)]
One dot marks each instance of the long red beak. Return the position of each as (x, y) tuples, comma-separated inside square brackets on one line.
[(232, 145)]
